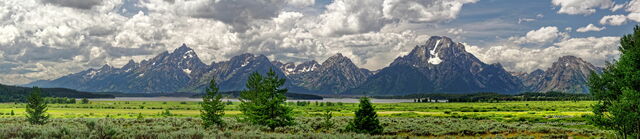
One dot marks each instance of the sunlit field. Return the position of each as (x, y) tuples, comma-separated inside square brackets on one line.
[(503, 119)]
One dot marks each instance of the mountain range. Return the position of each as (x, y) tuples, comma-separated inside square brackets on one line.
[(440, 65)]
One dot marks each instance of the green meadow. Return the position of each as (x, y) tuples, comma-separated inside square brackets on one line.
[(511, 119)]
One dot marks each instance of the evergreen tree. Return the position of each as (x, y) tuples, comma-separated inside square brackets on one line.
[(212, 106), (36, 108), (264, 101), (617, 90), (366, 120)]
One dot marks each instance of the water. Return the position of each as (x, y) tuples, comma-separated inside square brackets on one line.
[(343, 100)]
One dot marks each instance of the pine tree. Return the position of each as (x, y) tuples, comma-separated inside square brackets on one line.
[(212, 106), (617, 90), (366, 120), (36, 108), (264, 101)]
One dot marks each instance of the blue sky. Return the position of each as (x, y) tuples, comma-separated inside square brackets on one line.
[(47, 39), (512, 10)]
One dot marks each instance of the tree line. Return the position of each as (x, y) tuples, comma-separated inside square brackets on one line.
[(493, 97), (20, 94)]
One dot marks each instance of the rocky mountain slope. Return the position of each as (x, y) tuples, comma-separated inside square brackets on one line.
[(334, 75), (439, 66), (232, 75), (568, 74)]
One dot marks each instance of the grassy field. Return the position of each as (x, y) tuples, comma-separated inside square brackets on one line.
[(504, 119)]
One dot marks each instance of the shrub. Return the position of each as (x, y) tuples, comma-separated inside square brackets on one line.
[(166, 113), (327, 123), (84, 101)]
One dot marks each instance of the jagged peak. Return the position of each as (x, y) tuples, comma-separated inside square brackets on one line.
[(129, 64), (246, 58), (182, 48), (439, 43), (184, 52), (106, 67), (131, 61), (337, 58), (568, 59), (439, 38), (243, 56)]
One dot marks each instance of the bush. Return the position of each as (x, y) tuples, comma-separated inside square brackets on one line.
[(84, 101), (166, 113), (327, 123)]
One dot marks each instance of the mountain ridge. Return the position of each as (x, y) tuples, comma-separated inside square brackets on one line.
[(445, 66), (569, 73), (438, 65)]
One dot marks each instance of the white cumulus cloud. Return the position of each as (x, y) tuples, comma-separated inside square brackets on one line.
[(423, 10), (614, 20), (540, 36), (596, 50), (590, 27), (361, 16), (581, 7)]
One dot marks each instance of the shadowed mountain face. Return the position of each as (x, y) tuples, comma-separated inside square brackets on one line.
[(164, 73), (335, 75), (568, 74), (232, 75), (438, 66)]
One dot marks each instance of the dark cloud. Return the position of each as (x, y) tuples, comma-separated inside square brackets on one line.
[(80, 4), (238, 13)]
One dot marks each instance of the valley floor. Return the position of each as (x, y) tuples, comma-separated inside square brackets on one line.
[(120, 119)]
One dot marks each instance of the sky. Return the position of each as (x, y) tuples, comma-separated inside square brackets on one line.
[(47, 39)]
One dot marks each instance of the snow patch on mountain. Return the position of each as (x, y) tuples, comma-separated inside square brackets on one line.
[(434, 59), (186, 71)]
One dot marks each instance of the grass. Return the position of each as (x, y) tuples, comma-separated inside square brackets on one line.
[(496, 111), (306, 127), (505, 119)]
